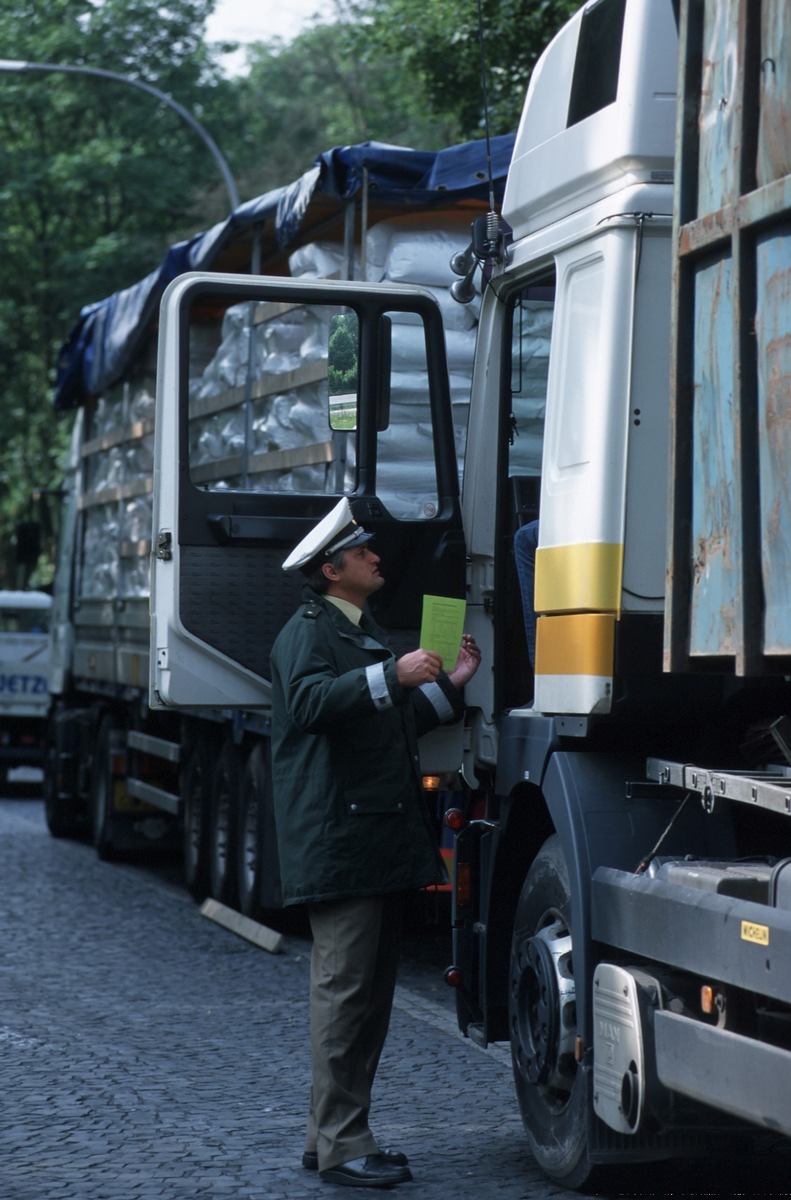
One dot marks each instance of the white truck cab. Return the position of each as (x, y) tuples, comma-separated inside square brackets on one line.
[(24, 669)]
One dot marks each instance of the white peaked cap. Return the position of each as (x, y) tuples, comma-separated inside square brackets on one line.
[(337, 531)]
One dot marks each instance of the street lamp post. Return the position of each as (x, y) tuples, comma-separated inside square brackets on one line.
[(13, 67)]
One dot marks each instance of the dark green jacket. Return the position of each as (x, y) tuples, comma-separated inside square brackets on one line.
[(349, 808)]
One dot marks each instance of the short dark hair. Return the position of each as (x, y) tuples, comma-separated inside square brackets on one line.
[(314, 575)]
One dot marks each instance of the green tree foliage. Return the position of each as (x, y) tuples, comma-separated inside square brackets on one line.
[(304, 97), (439, 49), (96, 180), (343, 354), (401, 71)]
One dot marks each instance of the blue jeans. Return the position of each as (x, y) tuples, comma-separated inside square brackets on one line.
[(525, 546)]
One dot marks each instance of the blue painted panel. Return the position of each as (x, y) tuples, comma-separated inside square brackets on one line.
[(774, 133), (730, 564), (716, 528), (773, 332), (718, 104)]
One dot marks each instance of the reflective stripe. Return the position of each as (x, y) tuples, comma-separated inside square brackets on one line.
[(377, 685), (586, 577), (438, 700), (574, 663), (580, 695)]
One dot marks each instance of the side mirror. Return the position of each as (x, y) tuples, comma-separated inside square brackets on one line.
[(343, 371)]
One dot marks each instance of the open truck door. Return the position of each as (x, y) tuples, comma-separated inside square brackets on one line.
[(274, 398)]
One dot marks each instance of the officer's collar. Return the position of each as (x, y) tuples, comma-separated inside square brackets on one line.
[(348, 609)]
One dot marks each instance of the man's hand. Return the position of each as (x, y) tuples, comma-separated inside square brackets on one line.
[(467, 663), (420, 666)]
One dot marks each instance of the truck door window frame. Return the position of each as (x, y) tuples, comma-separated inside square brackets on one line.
[(228, 544), (519, 474)]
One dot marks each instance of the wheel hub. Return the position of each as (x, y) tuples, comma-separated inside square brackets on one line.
[(544, 1008)]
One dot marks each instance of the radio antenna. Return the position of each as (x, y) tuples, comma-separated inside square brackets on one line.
[(486, 242), (485, 91), (491, 248)]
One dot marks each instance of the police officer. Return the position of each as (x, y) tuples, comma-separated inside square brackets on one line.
[(354, 834)]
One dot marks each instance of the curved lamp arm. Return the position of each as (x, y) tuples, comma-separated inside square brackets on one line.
[(11, 66)]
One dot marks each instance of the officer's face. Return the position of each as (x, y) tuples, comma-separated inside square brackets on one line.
[(358, 576)]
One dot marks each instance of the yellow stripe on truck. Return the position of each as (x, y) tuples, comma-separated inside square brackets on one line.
[(585, 577), (578, 644), (574, 663)]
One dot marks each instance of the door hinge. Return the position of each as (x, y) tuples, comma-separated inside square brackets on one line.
[(165, 545)]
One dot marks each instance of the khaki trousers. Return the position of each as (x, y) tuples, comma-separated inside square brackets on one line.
[(356, 947)]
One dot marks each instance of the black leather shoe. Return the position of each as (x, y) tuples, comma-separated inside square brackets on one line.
[(310, 1160), (375, 1170)]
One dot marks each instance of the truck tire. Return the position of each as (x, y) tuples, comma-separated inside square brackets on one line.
[(101, 802), (256, 787), (542, 1016), (224, 824), (59, 810), (196, 792)]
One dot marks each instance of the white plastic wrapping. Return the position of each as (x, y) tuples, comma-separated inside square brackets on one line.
[(250, 351), (318, 260), (100, 553), (416, 248), (412, 249), (117, 493), (232, 428), (418, 251)]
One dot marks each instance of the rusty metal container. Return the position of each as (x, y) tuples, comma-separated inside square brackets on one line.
[(729, 561)]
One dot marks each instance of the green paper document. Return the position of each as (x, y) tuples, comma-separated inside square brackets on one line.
[(443, 625)]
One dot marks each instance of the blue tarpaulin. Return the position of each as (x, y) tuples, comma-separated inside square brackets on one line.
[(108, 334)]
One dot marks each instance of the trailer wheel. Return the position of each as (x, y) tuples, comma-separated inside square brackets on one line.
[(224, 825), (542, 1016), (102, 792), (59, 814), (196, 792), (252, 815)]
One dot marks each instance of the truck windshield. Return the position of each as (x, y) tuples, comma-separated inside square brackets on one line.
[(24, 620)]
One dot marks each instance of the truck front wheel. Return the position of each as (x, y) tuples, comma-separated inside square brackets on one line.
[(542, 1018)]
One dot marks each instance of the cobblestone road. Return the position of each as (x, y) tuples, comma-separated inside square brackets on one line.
[(148, 1054)]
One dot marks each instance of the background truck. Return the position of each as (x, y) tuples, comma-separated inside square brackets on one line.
[(198, 778), (24, 671), (622, 906)]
